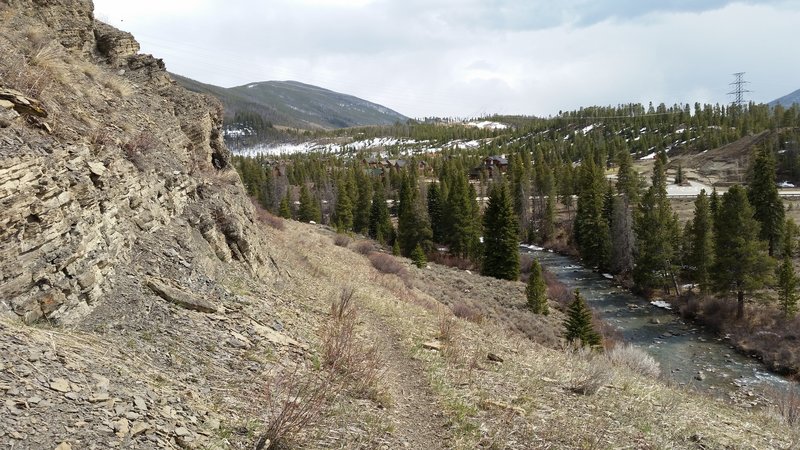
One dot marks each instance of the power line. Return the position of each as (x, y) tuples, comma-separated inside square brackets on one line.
[(739, 89)]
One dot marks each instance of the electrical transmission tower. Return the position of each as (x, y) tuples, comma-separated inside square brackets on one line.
[(739, 89)]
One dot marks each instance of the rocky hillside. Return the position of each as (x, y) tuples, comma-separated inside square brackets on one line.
[(145, 304), (101, 151), (297, 105)]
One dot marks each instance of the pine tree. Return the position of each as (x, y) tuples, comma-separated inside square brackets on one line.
[(787, 278), (435, 213), (578, 324), (344, 208), (413, 227), (657, 236), (765, 200), (418, 257), (380, 224), (285, 209), (701, 243), (741, 263), (627, 178), (363, 203), (309, 210), (591, 227), (622, 236), (500, 236), (536, 290)]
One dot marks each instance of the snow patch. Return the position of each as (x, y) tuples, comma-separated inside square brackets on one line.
[(661, 304)]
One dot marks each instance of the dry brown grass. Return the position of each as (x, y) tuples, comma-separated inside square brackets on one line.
[(343, 354), (635, 359), (786, 404), (464, 311), (267, 217)]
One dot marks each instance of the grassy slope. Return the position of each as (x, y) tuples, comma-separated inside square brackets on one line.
[(453, 398), (525, 402)]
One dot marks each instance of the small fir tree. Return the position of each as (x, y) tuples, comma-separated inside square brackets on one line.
[(285, 209), (418, 257), (536, 291), (578, 324)]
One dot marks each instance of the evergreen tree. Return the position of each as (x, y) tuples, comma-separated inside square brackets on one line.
[(700, 256), (591, 227), (787, 278), (536, 290), (657, 236), (344, 208), (435, 213), (363, 203), (285, 209), (418, 257), (765, 200), (622, 236), (463, 231), (741, 263), (627, 178), (578, 324), (380, 224), (501, 236), (413, 227), (309, 210)]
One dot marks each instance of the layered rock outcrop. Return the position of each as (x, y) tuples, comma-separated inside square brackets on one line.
[(117, 154)]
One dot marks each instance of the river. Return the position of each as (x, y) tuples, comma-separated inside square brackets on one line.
[(688, 354)]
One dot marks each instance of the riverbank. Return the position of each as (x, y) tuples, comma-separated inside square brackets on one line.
[(763, 334)]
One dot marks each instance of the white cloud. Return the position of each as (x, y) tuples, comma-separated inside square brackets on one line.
[(466, 57)]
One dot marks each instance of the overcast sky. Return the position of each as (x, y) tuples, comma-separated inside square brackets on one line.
[(466, 58)]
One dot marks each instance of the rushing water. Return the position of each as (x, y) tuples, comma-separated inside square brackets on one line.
[(688, 354)]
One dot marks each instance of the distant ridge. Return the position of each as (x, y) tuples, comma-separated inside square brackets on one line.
[(787, 100), (296, 105)]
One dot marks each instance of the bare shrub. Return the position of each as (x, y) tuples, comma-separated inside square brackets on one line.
[(341, 240), (463, 311), (717, 312), (786, 403), (447, 326), (138, 147), (267, 217), (101, 137), (592, 376), (358, 366), (448, 260), (364, 247), (634, 359), (525, 264), (387, 264), (557, 291), (294, 401)]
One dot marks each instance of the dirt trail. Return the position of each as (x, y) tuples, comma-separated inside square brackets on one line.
[(416, 413)]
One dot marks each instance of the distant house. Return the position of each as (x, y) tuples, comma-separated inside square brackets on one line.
[(371, 162), (496, 161), (490, 166)]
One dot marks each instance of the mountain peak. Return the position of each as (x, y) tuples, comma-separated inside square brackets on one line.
[(296, 104)]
